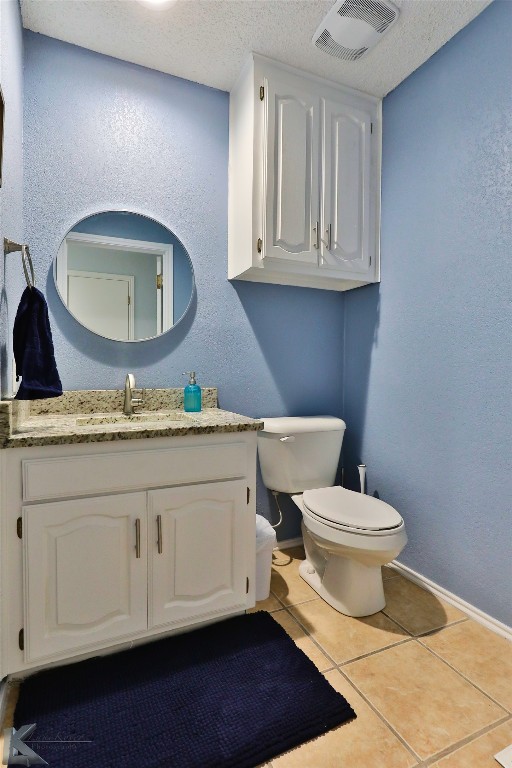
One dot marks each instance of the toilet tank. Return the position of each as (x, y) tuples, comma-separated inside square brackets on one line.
[(300, 453)]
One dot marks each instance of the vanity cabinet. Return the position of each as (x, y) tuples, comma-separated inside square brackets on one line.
[(87, 567), (304, 180)]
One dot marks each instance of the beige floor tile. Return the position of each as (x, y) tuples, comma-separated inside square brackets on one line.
[(297, 552), (416, 609), (302, 641), (361, 743), (480, 655), (480, 752), (429, 705), (344, 637), (388, 573), (285, 582), (12, 699), (270, 604)]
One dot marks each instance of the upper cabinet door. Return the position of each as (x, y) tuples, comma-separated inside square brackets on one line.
[(346, 220), (291, 164)]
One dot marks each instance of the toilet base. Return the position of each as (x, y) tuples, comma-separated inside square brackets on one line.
[(350, 587)]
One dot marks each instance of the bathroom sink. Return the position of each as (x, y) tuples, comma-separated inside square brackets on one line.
[(121, 418)]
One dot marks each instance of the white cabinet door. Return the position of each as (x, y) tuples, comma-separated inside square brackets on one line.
[(346, 233), (291, 164), (85, 565), (203, 542)]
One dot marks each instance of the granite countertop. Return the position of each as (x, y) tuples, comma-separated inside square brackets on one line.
[(96, 416)]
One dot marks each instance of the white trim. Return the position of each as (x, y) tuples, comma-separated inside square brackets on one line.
[(289, 543), (474, 613), (119, 243), (158, 295), (168, 288), (430, 586)]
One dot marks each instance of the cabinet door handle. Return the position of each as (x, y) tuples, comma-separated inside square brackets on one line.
[(159, 533), (137, 538), (328, 232), (316, 230)]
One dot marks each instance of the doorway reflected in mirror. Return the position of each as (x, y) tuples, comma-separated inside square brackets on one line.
[(124, 276)]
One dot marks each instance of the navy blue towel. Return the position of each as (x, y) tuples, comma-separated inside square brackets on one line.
[(33, 349)]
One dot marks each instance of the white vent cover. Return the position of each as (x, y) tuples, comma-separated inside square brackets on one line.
[(352, 27)]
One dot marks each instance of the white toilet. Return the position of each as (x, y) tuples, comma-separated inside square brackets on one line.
[(348, 536)]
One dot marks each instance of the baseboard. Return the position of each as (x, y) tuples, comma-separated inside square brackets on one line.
[(289, 543), (474, 613)]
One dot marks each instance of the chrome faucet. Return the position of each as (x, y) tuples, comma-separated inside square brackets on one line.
[(129, 400)]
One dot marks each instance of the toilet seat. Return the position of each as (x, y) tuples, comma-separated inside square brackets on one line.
[(341, 509)]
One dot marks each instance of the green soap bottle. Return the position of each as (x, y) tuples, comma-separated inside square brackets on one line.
[(192, 394)]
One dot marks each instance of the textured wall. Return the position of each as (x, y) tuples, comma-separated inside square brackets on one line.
[(11, 192), (427, 393), (102, 134)]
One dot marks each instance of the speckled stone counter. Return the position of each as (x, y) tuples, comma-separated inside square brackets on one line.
[(67, 419)]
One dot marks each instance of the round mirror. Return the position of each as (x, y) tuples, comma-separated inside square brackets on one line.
[(124, 276)]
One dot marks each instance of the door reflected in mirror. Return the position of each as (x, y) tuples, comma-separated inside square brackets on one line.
[(124, 276)]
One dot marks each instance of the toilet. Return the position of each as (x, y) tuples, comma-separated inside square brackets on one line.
[(348, 536)]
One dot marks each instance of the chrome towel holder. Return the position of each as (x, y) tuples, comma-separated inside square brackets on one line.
[(28, 268)]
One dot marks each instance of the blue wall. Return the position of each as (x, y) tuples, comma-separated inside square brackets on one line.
[(427, 392), (103, 134), (11, 192), (426, 388)]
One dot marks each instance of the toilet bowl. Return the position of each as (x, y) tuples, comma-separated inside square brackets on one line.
[(348, 536)]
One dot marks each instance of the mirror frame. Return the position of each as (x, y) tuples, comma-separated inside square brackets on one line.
[(145, 216)]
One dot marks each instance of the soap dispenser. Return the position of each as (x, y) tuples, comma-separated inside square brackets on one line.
[(192, 394)]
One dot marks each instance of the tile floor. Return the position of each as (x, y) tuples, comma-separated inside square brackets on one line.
[(430, 687)]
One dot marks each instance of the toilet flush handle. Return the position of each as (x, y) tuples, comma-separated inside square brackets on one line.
[(287, 439)]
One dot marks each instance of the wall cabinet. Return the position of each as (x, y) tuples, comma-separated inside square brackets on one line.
[(100, 567), (304, 180)]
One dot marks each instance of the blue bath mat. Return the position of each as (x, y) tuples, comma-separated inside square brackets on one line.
[(230, 695)]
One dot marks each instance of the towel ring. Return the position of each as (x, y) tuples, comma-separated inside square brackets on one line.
[(28, 268)]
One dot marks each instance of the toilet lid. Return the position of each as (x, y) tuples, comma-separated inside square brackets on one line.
[(354, 510)]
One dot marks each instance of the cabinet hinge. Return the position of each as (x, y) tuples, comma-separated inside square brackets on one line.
[(248, 494), (19, 527), (262, 93), (21, 639), (371, 127), (246, 589), (159, 282), (259, 244), (129, 300)]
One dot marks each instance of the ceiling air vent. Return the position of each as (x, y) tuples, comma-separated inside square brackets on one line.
[(352, 27)]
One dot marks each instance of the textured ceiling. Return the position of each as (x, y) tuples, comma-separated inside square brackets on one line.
[(208, 40)]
